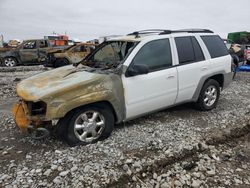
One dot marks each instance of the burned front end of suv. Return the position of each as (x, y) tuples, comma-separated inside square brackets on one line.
[(48, 97)]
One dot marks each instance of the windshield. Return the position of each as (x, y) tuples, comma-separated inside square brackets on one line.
[(110, 54)]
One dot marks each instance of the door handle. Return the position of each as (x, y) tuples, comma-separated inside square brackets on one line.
[(170, 76), (204, 68)]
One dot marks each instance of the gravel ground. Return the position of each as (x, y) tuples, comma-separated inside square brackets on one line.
[(177, 147)]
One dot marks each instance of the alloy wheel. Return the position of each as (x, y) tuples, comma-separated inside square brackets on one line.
[(210, 95), (9, 62), (89, 126)]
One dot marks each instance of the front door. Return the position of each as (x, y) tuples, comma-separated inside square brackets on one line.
[(155, 90), (77, 54), (28, 52)]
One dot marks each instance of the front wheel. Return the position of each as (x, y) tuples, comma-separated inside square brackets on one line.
[(209, 95), (9, 62), (87, 125)]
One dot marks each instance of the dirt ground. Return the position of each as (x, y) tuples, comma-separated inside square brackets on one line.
[(177, 147)]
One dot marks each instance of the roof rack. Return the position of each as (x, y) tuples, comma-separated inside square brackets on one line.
[(165, 31), (148, 31), (191, 31)]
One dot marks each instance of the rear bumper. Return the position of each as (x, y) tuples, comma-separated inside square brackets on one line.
[(227, 79)]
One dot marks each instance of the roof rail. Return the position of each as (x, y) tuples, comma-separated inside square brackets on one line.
[(191, 31), (165, 31), (148, 31)]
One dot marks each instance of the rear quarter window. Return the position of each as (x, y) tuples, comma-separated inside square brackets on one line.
[(215, 46)]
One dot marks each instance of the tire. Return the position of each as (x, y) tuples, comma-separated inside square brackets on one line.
[(79, 127), (9, 62), (61, 62), (209, 95)]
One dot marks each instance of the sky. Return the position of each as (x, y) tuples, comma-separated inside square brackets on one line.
[(86, 20)]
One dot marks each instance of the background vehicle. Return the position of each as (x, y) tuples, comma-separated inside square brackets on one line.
[(240, 45), (247, 54), (14, 42), (242, 37), (124, 78), (29, 52), (73, 54), (57, 40)]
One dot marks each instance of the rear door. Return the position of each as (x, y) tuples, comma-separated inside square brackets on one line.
[(192, 66), (155, 90)]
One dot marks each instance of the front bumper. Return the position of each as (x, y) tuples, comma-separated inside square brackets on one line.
[(24, 118)]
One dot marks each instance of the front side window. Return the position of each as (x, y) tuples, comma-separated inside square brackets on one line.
[(79, 49), (112, 51), (156, 55), (29, 45), (215, 45)]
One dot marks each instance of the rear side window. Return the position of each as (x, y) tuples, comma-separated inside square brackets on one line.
[(199, 56), (188, 49), (215, 46), (155, 54)]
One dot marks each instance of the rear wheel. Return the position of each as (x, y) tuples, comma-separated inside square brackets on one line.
[(61, 62), (209, 95), (9, 62), (87, 125)]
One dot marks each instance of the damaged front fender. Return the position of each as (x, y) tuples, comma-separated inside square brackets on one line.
[(65, 89)]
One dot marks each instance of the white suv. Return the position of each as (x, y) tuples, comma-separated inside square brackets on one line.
[(124, 78)]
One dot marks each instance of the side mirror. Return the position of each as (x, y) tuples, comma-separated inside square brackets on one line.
[(137, 70)]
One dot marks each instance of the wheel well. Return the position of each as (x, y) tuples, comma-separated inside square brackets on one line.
[(58, 59), (219, 78), (64, 58), (12, 57), (100, 104)]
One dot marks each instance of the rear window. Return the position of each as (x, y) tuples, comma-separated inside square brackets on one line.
[(215, 46)]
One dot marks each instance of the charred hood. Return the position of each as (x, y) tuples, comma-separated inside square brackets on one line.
[(55, 81)]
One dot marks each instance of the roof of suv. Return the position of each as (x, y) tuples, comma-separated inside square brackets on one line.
[(141, 35)]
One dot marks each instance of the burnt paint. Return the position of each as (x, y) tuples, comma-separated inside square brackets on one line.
[(69, 87), (35, 55), (73, 56)]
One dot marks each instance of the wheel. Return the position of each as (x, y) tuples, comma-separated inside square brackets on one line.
[(61, 62), (209, 95), (86, 125), (9, 62)]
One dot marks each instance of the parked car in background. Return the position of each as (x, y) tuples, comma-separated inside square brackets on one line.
[(247, 54), (124, 78), (29, 52), (14, 42), (73, 54)]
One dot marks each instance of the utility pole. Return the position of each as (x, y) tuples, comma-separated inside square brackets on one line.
[(1, 40)]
